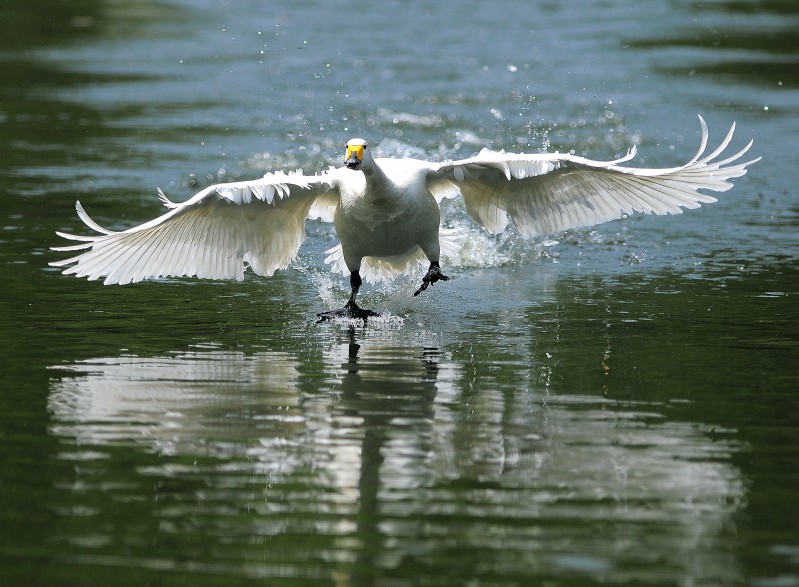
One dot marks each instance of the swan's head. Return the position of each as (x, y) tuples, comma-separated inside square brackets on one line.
[(357, 154)]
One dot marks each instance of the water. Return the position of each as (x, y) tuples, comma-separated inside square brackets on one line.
[(607, 406)]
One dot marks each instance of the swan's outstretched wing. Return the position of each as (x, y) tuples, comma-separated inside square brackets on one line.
[(547, 193), (211, 235)]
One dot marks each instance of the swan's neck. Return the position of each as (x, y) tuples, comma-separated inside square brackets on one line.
[(376, 179), (380, 190)]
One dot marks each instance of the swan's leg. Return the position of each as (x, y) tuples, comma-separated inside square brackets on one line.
[(350, 309), (355, 283), (433, 274)]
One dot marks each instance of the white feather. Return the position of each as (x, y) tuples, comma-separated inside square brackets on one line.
[(546, 193), (212, 235)]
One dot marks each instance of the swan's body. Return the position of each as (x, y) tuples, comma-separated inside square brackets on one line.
[(386, 212)]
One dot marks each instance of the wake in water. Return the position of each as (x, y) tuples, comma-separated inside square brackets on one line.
[(465, 247)]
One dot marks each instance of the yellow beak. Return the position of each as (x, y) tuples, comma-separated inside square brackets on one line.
[(355, 151), (354, 156)]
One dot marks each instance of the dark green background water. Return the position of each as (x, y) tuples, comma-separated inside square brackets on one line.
[(610, 406)]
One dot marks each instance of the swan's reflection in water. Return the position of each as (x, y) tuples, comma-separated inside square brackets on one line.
[(371, 458)]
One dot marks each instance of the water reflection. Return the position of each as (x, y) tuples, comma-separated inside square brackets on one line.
[(392, 459), (199, 402)]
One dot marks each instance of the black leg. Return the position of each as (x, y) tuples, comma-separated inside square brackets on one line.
[(355, 284), (350, 309), (433, 274)]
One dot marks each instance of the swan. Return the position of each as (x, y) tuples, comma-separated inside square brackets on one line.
[(386, 212)]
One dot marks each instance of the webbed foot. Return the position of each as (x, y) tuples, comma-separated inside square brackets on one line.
[(433, 274), (350, 310)]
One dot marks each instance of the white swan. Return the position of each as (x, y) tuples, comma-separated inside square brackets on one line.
[(386, 211)]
